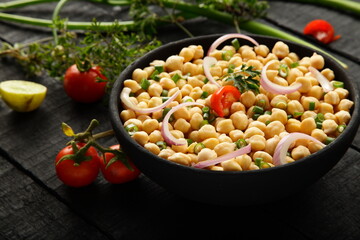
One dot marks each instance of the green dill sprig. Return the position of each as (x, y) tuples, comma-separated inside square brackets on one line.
[(245, 79)]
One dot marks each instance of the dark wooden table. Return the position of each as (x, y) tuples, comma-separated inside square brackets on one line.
[(34, 204)]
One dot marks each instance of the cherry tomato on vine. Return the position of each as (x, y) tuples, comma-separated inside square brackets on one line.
[(222, 99), (116, 171), (85, 87), (322, 30), (77, 170)]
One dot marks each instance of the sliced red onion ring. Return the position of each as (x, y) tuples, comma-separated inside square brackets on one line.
[(165, 132), (125, 98), (273, 87), (207, 63), (207, 163), (325, 84), (222, 39), (282, 148)]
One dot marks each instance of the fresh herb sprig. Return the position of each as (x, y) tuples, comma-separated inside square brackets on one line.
[(112, 49), (245, 79)]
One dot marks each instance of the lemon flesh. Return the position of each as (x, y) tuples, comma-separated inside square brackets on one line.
[(22, 96)]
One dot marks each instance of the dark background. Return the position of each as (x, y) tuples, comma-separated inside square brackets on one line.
[(34, 204)]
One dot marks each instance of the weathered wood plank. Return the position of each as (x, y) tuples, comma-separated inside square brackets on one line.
[(29, 212)]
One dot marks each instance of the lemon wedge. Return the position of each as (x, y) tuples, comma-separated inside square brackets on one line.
[(21, 95)]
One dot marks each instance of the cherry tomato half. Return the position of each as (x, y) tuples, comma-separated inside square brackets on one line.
[(77, 174), (322, 30), (84, 87), (117, 172), (222, 99)]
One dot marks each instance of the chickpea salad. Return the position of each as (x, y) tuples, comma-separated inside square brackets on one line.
[(238, 108)]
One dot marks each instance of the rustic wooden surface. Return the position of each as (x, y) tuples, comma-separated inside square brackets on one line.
[(34, 204)]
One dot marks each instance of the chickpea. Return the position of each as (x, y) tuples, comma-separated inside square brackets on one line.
[(182, 125), (332, 98), (319, 135), (199, 51), (236, 61), (155, 90), (328, 73), (207, 131), (279, 101), (342, 92), (190, 68), (343, 117), (262, 50), (206, 154), (257, 142), (255, 63), (240, 120), (150, 125), (264, 155), (244, 161), (265, 118), (231, 165), (180, 158), (258, 124), (307, 125), (155, 136), (187, 53), (293, 125), (134, 121), (248, 54), (253, 131), (224, 148), (274, 128), (248, 98), (225, 126), (139, 74), (293, 74), (154, 101), (174, 63), (280, 115), (316, 92), (182, 113), (141, 137), (305, 84), (237, 106), (317, 61), (186, 90), (307, 114), (180, 148), (211, 142), (280, 49), (325, 108), (196, 93), (310, 103), (300, 152), (127, 114), (167, 83), (271, 144), (345, 104), (166, 153), (152, 147), (236, 135), (329, 126), (294, 107)]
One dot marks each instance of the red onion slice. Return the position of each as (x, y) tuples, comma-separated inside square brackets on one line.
[(222, 39), (282, 148), (165, 132), (207, 163), (125, 98), (273, 87), (207, 63), (325, 84)]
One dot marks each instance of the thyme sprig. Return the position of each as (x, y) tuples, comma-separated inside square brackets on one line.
[(245, 78)]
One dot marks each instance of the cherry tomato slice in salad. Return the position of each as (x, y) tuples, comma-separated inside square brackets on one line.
[(322, 30), (223, 98)]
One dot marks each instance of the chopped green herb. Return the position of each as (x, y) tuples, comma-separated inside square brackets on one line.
[(226, 55), (176, 77), (235, 43), (204, 122), (189, 141), (338, 84), (329, 140), (144, 84), (245, 79), (298, 114), (312, 106), (198, 147), (161, 144), (341, 128), (159, 68), (258, 110), (294, 64), (164, 93), (240, 143), (283, 70), (131, 129)]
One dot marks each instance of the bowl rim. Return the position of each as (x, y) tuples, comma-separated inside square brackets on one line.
[(351, 86)]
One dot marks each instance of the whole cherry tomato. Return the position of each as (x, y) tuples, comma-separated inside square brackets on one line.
[(77, 170), (222, 99), (322, 30), (115, 171), (85, 87)]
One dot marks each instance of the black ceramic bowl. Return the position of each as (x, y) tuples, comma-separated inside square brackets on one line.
[(233, 188)]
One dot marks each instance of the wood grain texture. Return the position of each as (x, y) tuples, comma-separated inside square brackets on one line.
[(142, 209)]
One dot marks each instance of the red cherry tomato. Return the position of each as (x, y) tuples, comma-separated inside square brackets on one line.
[(117, 172), (322, 30), (223, 98), (77, 174), (84, 87)]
